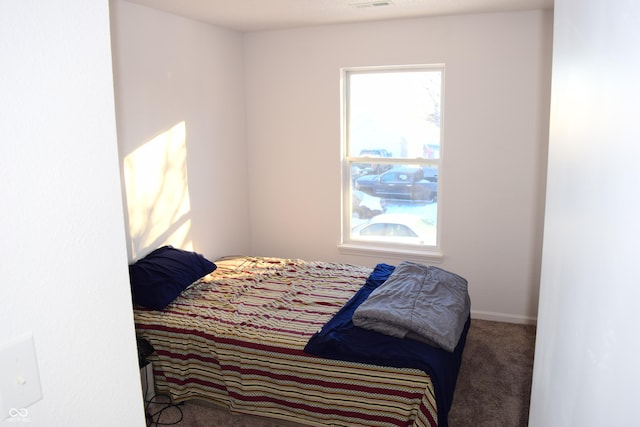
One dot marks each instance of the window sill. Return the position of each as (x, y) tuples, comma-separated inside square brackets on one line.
[(401, 254)]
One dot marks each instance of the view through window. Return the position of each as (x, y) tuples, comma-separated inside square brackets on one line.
[(392, 156)]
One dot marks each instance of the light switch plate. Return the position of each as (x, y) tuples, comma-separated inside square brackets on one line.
[(19, 377)]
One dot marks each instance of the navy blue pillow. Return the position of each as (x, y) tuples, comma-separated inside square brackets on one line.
[(158, 278)]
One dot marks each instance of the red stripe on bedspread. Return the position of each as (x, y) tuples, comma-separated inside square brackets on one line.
[(187, 356), (320, 382), (194, 380), (230, 341), (425, 411)]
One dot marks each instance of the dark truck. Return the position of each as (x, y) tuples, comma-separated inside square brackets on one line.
[(401, 182)]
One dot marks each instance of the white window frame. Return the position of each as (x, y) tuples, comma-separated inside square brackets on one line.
[(386, 249)]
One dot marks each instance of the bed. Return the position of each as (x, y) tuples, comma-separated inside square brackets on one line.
[(273, 337)]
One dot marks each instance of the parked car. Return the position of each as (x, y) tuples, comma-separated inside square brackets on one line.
[(365, 206), (378, 152), (400, 182), (374, 168), (397, 228), (430, 173), (357, 172)]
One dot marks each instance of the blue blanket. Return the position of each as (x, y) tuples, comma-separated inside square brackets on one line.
[(339, 339)]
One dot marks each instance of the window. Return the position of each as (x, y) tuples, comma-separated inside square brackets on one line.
[(391, 158)]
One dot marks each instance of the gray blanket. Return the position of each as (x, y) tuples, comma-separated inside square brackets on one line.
[(418, 302)]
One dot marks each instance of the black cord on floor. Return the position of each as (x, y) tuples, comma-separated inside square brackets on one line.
[(153, 418)]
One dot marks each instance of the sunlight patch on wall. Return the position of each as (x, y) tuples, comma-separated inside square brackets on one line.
[(158, 193)]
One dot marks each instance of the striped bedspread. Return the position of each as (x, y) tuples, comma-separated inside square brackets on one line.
[(236, 338)]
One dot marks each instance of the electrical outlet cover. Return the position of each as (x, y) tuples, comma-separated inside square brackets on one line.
[(19, 377)]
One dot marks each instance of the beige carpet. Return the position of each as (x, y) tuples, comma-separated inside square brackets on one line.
[(493, 387)]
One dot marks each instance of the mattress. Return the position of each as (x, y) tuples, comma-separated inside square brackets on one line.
[(236, 338)]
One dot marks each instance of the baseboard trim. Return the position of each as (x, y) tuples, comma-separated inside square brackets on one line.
[(501, 317)]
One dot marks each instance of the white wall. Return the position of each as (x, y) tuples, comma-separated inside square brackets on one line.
[(495, 126), (180, 112), (64, 265), (586, 370)]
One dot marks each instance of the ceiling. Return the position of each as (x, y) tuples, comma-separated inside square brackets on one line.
[(260, 15)]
